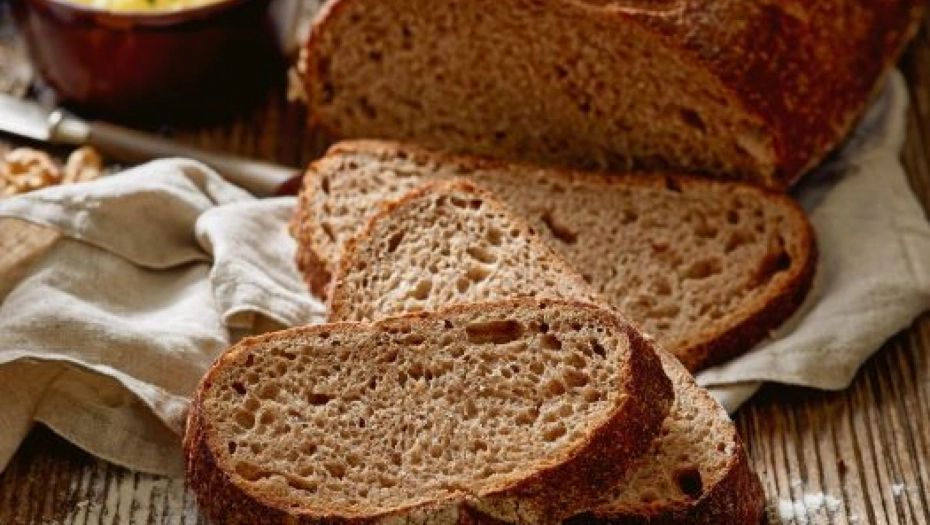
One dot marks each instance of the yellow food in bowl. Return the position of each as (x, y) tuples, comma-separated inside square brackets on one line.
[(144, 5)]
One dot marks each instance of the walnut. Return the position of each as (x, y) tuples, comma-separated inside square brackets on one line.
[(26, 169), (83, 164)]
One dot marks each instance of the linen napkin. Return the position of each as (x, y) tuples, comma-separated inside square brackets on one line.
[(161, 267)]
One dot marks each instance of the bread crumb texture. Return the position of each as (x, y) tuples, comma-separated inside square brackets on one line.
[(344, 420)]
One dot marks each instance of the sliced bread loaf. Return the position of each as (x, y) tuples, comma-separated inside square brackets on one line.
[(446, 243), (509, 406), (708, 268), (696, 471), (757, 89)]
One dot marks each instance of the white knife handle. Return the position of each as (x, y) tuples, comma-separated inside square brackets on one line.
[(126, 145)]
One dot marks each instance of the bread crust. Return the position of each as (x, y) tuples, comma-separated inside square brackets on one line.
[(804, 70), (760, 318), (316, 270), (738, 499), (626, 435)]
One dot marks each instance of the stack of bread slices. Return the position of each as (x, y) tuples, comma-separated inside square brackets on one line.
[(507, 344)]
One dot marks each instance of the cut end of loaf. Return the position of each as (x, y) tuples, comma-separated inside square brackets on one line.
[(505, 79), (349, 422)]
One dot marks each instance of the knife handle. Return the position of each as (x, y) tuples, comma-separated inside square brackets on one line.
[(259, 178)]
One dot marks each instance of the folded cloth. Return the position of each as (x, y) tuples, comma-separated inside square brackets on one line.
[(161, 267), (157, 271)]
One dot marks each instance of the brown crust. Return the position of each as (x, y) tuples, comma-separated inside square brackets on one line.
[(316, 270), (738, 499), (647, 403), (763, 316), (769, 312), (806, 70), (337, 303)]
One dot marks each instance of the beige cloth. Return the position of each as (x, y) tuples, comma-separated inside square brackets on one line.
[(162, 266)]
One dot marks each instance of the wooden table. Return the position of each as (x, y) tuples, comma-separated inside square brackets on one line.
[(860, 456)]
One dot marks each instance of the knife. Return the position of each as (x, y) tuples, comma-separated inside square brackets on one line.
[(57, 126)]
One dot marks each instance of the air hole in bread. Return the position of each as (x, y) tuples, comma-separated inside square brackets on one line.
[(245, 420), (494, 236), (598, 349), (267, 418), (494, 332), (302, 484), (477, 273), (672, 184), (528, 416), (481, 255), (239, 388), (558, 230), (462, 285), (555, 387), (328, 230), (267, 391), (554, 432), (703, 269), (550, 342), (336, 470), (394, 241), (324, 184), (320, 399), (732, 216), (232, 446), (692, 119), (422, 290), (250, 471), (689, 481), (574, 379), (775, 262)]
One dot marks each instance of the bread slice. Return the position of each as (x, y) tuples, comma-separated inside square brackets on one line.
[(754, 89), (696, 471), (708, 268), (508, 407), (446, 243)]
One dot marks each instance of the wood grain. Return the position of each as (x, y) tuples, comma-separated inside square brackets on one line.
[(860, 456)]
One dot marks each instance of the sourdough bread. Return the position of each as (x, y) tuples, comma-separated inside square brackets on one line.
[(708, 268), (755, 89), (696, 471), (446, 243), (509, 407)]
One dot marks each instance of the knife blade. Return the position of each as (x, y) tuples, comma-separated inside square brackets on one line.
[(56, 126)]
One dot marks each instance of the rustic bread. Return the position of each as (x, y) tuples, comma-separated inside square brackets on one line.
[(696, 471), (754, 89), (446, 243), (507, 407), (708, 268)]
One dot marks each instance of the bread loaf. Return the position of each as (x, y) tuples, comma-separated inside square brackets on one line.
[(508, 407), (696, 472), (759, 90), (708, 268)]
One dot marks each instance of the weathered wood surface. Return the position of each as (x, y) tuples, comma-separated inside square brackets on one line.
[(852, 457)]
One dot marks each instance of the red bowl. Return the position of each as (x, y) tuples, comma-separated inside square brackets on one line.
[(189, 65)]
